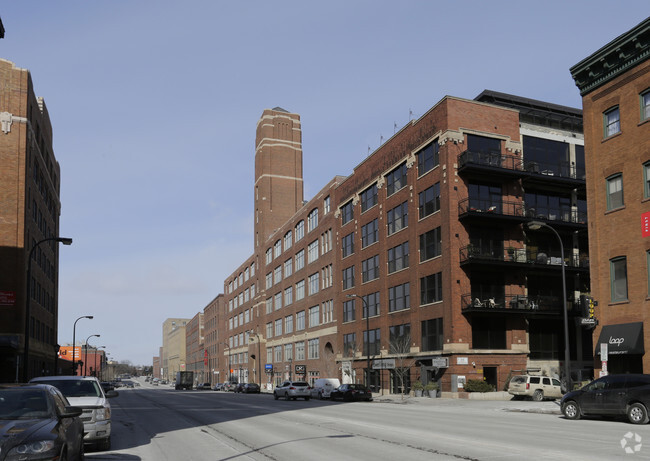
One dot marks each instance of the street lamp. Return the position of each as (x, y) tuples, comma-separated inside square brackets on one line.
[(367, 309), (86, 355), (74, 338), (259, 354), (28, 297), (535, 225)]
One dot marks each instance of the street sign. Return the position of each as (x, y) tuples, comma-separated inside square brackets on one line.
[(603, 351), (440, 362), (301, 369), (383, 364)]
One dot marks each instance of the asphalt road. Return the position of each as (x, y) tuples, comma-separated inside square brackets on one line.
[(159, 423)]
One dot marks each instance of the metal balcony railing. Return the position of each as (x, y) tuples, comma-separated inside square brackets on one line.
[(540, 303), (559, 169), (519, 255), (500, 207), (490, 159)]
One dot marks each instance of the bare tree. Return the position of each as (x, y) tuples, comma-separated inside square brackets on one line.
[(400, 349)]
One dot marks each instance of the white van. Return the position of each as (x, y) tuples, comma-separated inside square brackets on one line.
[(323, 387)]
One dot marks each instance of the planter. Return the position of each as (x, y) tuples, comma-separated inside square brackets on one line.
[(433, 394), (418, 392)]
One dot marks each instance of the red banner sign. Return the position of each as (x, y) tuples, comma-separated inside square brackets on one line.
[(645, 224), (7, 298)]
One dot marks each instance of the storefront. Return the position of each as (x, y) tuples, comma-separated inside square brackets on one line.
[(625, 347)]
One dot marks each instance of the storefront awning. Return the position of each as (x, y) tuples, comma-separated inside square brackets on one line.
[(624, 338)]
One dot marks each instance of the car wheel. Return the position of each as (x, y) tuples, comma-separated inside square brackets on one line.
[(538, 396), (307, 398), (275, 396), (637, 413), (571, 410), (286, 396)]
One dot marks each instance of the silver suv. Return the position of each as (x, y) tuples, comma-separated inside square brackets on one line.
[(537, 387), (292, 390), (87, 393)]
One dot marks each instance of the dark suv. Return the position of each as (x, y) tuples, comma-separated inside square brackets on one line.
[(612, 395)]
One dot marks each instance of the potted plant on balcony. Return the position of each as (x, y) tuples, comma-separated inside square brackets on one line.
[(418, 387), (432, 389)]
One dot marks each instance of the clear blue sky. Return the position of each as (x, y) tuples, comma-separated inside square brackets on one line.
[(154, 106)]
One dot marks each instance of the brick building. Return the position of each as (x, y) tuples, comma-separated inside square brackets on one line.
[(615, 86), (212, 314), (195, 349), (30, 208), (420, 262)]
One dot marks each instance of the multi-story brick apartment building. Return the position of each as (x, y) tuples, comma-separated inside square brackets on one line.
[(212, 313), (428, 237), (615, 86), (195, 349), (30, 208)]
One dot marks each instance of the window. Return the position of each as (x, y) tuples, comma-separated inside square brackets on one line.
[(277, 301), (646, 180), (313, 283), (269, 280), (277, 274), (288, 268), (348, 311), (300, 231), (326, 205), (370, 269), (398, 257), (269, 305), (288, 240), (428, 158), (269, 256), (327, 276), (432, 338), (313, 348), (347, 212), (326, 241), (397, 218), (369, 233), (348, 277), (269, 355), (300, 290), (645, 105), (396, 179), (288, 324), (349, 344), (288, 296), (312, 252), (312, 220), (431, 288), (489, 333), (429, 201), (369, 198), (278, 327), (618, 278), (300, 260), (612, 121), (372, 301), (371, 342), (314, 316), (300, 321), (400, 338), (277, 352), (328, 311), (430, 244), (615, 192), (288, 352), (399, 297), (300, 350), (277, 249), (269, 330), (347, 244)]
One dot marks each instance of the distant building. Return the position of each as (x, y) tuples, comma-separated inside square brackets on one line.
[(212, 313), (30, 207), (174, 347), (195, 352), (615, 86)]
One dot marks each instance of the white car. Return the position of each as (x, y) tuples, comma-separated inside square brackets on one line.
[(87, 393), (292, 390), (323, 387), (536, 387)]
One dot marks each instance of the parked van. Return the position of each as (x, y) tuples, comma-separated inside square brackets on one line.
[(323, 387)]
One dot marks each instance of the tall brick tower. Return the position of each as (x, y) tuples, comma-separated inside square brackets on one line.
[(278, 171)]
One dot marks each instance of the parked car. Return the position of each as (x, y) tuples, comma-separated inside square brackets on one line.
[(248, 388), (87, 393), (536, 387), (350, 392), (229, 386), (292, 390), (203, 387), (37, 422), (323, 387), (217, 387), (612, 395)]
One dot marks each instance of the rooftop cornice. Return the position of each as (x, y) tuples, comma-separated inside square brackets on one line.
[(615, 58)]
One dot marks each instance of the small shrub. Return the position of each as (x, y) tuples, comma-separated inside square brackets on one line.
[(417, 385), (431, 386), (478, 385)]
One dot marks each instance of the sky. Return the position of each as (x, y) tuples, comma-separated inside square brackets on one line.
[(154, 106)]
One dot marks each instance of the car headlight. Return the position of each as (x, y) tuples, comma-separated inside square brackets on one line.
[(32, 450), (102, 414)]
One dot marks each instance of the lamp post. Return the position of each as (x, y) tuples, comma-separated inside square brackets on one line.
[(86, 355), (535, 225), (259, 354), (28, 298), (74, 338), (365, 306)]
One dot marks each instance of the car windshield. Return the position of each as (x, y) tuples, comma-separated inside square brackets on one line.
[(357, 387), (76, 388), (518, 379), (24, 404), (300, 383)]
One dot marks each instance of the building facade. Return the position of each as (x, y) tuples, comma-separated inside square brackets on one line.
[(174, 347), (615, 86), (30, 208), (212, 314), (195, 352)]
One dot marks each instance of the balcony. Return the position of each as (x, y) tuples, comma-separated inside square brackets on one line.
[(481, 209), (521, 258), (558, 216), (509, 303), (554, 175), (500, 164)]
